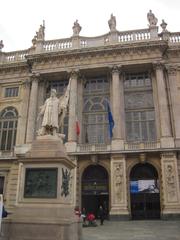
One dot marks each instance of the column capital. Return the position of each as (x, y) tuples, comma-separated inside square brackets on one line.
[(116, 69), (73, 73), (158, 65), (26, 83), (172, 70), (35, 76), (167, 155)]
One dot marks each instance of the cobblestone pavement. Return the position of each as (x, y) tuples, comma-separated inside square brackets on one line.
[(134, 230)]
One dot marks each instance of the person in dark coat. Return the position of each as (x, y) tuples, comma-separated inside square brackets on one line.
[(101, 214), (4, 213)]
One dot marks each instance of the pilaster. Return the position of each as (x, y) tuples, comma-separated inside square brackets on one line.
[(72, 136), (170, 185), (118, 108), (164, 114), (119, 204), (23, 114), (32, 113), (175, 100)]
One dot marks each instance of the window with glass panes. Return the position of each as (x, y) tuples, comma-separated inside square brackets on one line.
[(60, 86), (95, 120), (8, 128), (11, 91), (139, 107)]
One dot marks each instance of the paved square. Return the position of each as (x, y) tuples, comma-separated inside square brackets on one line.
[(134, 230)]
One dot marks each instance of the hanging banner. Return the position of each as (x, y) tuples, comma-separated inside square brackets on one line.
[(144, 186), (1, 210)]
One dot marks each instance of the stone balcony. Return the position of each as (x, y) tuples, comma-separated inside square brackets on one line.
[(103, 148), (128, 147)]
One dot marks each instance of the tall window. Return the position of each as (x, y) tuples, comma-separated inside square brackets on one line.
[(8, 128), (95, 119), (60, 86), (139, 108)]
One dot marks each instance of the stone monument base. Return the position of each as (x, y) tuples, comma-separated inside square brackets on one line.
[(37, 223), (45, 198)]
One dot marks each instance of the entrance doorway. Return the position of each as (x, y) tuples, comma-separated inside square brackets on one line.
[(95, 190), (144, 192)]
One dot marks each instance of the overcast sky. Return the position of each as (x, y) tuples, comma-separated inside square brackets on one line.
[(20, 19)]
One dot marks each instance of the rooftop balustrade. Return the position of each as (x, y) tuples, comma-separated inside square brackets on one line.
[(40, 45)]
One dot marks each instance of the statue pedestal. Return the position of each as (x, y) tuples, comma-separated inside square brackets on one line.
[(45, 197)]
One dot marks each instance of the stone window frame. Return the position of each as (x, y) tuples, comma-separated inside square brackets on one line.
[(140, 82), (11, 91), (8, 127), (96, 95)]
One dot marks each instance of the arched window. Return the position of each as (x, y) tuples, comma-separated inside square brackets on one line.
[(95, 117), (8, 128)]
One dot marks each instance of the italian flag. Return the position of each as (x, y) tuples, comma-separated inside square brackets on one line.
[(77, 127)]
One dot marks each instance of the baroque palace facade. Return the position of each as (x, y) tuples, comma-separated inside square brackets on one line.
[(136, 173)]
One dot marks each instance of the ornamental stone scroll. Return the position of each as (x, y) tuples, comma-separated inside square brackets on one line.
[(118, 182), (171, 190)]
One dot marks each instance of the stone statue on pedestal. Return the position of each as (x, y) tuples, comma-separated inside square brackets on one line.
[(1, 45), (53, 112), (152, 19), (112, 23), (76, 28), (40, 34)]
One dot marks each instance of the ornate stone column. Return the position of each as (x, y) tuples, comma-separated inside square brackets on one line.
[(118, 109), (164, 114), (32, 113), (175, 101), (170, 185), (119, 208), (72, 136), (23, 112)]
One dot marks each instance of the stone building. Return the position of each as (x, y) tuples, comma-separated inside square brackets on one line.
[(136, 172)]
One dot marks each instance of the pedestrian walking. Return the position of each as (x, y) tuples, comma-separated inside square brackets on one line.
[(101, 215)]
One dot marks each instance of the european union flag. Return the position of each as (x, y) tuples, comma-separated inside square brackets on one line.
[(111, 121)]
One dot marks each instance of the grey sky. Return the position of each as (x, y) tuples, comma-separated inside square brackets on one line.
[(20, 19)]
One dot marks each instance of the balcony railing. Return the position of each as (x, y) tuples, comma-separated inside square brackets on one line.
[(88, 148), (142, 146), (134, 36)]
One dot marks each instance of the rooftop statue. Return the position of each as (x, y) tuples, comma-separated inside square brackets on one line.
[(112, 23), (1, 45), (40, 35), (53, 112), (76, 28), (152, 19), (164, 25)]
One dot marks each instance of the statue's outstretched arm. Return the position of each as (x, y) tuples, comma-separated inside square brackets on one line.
[(42, 110)]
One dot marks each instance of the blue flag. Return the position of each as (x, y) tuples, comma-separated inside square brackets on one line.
[(111, 121)]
